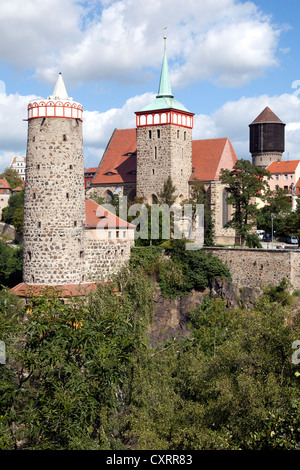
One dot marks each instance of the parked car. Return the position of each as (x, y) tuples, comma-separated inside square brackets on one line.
[(293, 240), (267, 237), (260, 234)]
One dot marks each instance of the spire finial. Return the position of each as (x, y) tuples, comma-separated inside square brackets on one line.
[(164, 84)]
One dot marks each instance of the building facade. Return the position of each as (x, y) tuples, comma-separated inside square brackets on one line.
[(18, 164)]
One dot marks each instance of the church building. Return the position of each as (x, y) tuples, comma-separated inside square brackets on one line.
[(138, 161)]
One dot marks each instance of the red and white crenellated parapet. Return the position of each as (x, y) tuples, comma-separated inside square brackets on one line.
[(55, 109), (178, 118)]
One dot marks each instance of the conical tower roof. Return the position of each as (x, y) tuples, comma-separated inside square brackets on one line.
[(60, 92), (164, 98), (164, 89), (266, 115)]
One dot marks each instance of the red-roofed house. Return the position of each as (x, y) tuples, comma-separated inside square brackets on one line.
[(285, 174), (88, 176), (5, 192)]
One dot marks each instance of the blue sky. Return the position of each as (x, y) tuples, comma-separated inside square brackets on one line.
[(228, 59)]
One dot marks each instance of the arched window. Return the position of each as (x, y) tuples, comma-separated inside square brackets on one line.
[(109, 196)]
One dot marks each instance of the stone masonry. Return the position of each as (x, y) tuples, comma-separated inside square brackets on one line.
[(54, 210), (163, 151), (260, 267)]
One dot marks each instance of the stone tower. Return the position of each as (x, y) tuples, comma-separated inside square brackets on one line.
[(164, 142), (266, 138), (54, 206)]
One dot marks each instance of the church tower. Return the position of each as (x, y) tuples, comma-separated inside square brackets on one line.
[(266, 138), (54, 206), (164, 142)]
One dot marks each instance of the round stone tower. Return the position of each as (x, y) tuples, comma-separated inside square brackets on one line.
[(54, 206), (266, 138)]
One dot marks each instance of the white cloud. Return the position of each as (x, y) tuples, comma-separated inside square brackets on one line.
[(228, 42)]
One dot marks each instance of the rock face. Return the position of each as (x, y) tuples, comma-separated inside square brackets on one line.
[(171, 318)]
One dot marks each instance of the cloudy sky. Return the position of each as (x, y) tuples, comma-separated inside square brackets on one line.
[(228, 60)]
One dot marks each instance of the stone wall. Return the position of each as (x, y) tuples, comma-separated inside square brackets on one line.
[(104, 257), (167, 151), (9, 231), (223, 236), (260, 267)]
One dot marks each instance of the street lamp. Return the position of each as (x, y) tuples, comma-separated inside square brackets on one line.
[(272, 218)]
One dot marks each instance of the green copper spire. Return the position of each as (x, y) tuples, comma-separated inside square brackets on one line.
[(165, 98), (164, 84)]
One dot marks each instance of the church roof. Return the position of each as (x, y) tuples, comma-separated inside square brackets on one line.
[(118, 165), (266, 115), (209, 156)]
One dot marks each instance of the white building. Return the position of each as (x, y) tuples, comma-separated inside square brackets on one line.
[(18, 163)]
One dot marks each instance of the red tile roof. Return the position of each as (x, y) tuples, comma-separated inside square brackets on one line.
[(209, 156), (66, 290), (4, 184), (266, 115), (118, 164), (283, 166), (98, 216)]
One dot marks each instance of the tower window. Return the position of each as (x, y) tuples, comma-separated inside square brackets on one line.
[(150, 134), (75, 223), (158, 133), (155, 153), (29, 255), (117, 234), (184, 135), (71, 167), (34, 196), (177, 134), (39, 224), (64, 137), (67, 195), (81, 254), (153, 171), (38, 167), (33, 138)]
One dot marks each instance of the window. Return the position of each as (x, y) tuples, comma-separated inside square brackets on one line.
[(225, 208), (124, 234), (109, 234), (150, 134), (39, 224), (71, 167), (177, 134), (81, 254), (117, 234), (67, 195), (64, 137), (276, 177), (155, 153), (75, 223), (34, 196), (184, 135), (38, 167), (285, 177), (152, 171), (158, 133)]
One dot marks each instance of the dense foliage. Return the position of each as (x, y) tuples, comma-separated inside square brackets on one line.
[(82, 375), (10, 264), (179, 270), (13, 213)]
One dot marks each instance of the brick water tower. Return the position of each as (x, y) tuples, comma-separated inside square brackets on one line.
[(54, 206), (266, 138)]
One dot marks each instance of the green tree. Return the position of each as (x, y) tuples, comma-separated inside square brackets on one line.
[(198, 195), (10, 265), (13, 213), (277, 205), (244, 183), (168, 194)]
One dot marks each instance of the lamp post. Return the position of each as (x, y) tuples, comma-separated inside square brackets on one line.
[(272, 218)]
